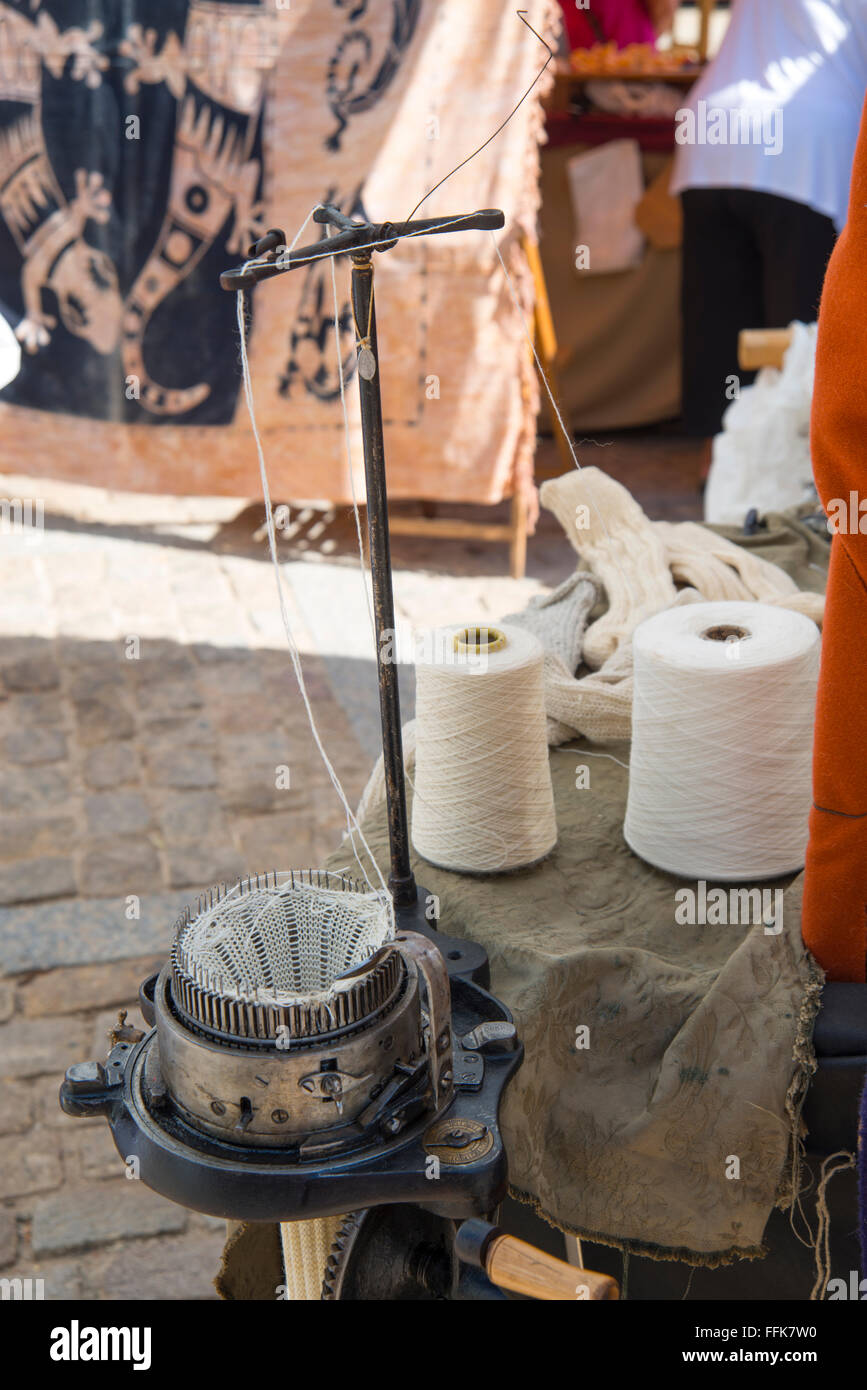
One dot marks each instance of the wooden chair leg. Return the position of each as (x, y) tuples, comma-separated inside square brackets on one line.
[(546, 341), (518, 543), (706, 8)]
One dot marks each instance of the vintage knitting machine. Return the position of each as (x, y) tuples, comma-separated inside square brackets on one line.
[(318, 1047)]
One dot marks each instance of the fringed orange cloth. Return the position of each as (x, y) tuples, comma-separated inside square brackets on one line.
[(835, 888)]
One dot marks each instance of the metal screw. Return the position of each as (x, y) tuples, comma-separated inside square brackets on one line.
[(218, 1107), (279, 1117)]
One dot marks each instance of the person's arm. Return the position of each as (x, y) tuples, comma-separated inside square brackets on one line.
[(834, 915)]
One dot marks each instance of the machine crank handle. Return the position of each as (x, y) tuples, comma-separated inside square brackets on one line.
[(514, 1265)]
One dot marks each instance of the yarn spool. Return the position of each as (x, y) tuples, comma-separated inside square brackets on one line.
[(720, 780), (483, 801)]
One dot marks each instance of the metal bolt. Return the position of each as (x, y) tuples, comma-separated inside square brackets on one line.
[(218, 1107), (392, 1125), (445, 1080), (279, 1117)]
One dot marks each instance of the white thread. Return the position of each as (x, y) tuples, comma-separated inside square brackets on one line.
[(348, 441), (351, 823), (722, 728), (484, 802), (567, 748)]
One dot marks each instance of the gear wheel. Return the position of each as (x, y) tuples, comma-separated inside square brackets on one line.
[(337, 1255), (395, 1253)]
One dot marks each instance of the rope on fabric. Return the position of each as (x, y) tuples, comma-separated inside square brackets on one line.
[(823, 1232)]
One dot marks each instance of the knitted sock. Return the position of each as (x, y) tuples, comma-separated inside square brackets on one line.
[(617, 542), (721, 570), (559, 619)]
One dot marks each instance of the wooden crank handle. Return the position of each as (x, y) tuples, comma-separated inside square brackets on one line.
[(514, 1265)]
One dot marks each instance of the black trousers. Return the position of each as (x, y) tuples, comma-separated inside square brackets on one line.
[(750, 260)]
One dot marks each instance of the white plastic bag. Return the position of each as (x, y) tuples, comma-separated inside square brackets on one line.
[(761, 458), (606, 185)]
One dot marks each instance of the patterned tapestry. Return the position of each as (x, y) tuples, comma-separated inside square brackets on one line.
[(145, 143)]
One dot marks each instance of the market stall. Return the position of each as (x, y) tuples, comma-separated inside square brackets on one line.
[(618, 329)]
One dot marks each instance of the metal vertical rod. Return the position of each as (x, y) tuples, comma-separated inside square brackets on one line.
[(400, 880)]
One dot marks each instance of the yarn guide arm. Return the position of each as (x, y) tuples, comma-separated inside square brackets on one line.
[(272, 257), (269, 258)]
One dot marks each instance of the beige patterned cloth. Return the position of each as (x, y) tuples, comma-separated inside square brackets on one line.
[(365, 104)]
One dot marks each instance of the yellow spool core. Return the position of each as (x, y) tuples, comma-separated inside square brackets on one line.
[(479, 639)]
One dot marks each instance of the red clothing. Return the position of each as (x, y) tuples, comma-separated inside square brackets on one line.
[(620, 21)]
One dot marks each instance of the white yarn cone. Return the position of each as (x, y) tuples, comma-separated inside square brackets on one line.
[(720, 783), (483, 801)]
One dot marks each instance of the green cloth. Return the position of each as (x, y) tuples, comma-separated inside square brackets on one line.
[(694, 1033)]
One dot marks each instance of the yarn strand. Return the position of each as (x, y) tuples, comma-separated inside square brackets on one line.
[(352, 824)]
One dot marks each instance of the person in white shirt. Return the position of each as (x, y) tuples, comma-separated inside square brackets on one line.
[(763, 163)]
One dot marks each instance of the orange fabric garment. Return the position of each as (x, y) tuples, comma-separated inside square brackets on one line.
[(835, 887)]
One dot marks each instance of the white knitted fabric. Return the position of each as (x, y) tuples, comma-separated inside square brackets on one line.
[(306, 1246), (559, 619), (287, 941), (639, 563), (719, 569)]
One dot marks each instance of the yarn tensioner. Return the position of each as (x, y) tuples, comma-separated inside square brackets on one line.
[(315, 1049)]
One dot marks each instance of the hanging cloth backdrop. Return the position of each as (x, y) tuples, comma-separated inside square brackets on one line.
[(143, 146)]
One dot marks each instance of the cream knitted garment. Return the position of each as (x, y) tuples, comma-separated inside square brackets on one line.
[(617, 543), (640, 564)]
